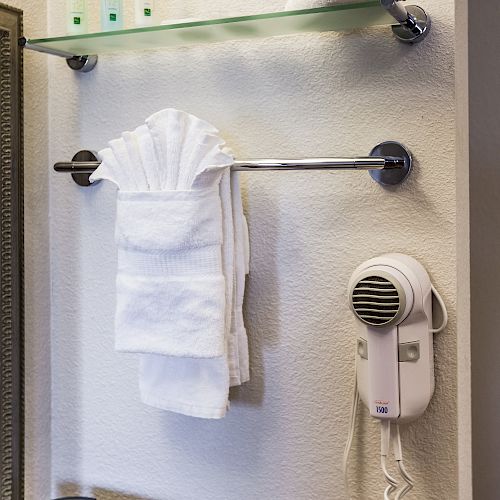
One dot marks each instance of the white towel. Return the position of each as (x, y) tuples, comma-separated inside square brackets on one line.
[(182, 258)]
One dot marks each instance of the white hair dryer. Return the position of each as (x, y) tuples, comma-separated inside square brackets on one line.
[(391, 296)]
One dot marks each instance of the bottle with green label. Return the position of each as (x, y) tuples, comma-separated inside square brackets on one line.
[(76, 17), (111, 15), (144, 13)]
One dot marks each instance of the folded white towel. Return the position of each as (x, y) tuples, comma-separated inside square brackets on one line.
[(182, 258), (170, 283)]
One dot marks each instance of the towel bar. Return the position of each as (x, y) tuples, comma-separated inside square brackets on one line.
[(389, 164)]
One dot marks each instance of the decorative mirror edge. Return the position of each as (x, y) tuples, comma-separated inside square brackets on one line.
[(11, 257)]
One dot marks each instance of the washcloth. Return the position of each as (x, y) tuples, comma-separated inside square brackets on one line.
[(183, 254)]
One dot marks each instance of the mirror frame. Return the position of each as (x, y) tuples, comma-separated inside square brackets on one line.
[(11, 256)]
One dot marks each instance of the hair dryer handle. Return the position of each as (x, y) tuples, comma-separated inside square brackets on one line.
[(383, 372)]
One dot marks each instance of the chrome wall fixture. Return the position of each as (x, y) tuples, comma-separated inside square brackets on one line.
[(414, 23), (84, 64), (413, 26), (389, 164)]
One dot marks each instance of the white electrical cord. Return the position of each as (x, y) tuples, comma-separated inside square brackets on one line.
[(398, 455), (443, 309), (350, 435), (408, 479), (385, 438)]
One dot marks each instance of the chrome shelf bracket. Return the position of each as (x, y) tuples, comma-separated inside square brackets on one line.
[(83, 64), (414, 23)]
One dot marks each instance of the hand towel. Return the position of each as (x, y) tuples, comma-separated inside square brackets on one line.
[(182, 258)]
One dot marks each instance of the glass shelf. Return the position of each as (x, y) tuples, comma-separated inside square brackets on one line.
[(340, 17)]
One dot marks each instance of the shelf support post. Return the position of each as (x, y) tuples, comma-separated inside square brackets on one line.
[(84, 64), (414, 23)]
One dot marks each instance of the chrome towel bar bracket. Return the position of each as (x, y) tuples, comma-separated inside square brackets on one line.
[(389, 164)]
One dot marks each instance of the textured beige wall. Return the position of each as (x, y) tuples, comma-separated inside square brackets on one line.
[(308, 95), (37, 257)]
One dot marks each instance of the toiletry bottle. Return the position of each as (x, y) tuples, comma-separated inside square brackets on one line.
[(111, 15), (144, 13), (76, 17)]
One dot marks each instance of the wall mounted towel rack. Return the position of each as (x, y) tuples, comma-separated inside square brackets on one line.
[(389, 164), (413, 26)]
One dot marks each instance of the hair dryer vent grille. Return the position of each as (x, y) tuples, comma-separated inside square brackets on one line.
[(376, 300)]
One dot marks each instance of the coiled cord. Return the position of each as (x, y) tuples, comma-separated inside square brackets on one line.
[(385, 437), (398, 455)]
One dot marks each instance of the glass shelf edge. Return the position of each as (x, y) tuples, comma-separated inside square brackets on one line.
[(371, 6)]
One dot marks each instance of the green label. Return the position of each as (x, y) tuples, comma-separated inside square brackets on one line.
[(77, 20), (147, 12), (112, 17)]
